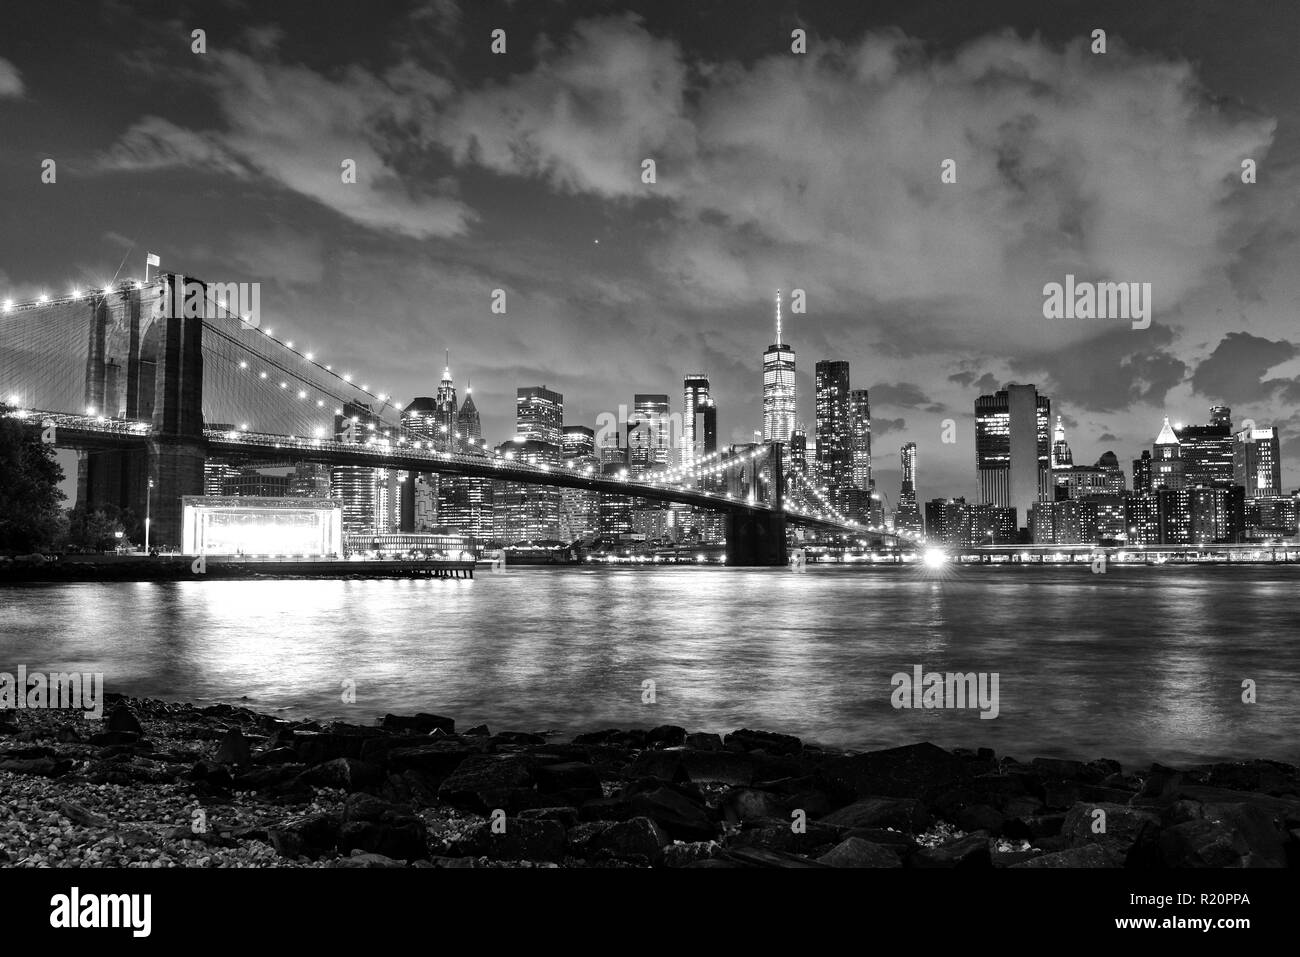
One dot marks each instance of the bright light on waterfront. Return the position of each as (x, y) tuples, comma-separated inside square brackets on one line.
[(935, 557)]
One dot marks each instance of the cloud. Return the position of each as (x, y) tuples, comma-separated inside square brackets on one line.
[(1234, 371), (154, 143), (881, 427), (984, 384), (294, 127), (1113, 166), (903, 395), (11, 83), (1113, 371), (596, 105)]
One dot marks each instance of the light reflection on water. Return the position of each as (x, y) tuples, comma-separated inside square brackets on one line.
[(1138, 664)]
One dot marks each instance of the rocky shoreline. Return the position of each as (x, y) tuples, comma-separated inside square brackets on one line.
[(172, 785)]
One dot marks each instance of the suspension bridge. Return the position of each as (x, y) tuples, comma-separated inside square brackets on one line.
[(146, 391)]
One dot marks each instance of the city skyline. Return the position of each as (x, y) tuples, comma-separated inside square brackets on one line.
[(638, 284)]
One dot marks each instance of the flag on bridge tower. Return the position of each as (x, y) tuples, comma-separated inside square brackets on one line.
[(150, 260)]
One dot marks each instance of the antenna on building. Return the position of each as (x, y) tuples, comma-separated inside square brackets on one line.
[(778, 317)]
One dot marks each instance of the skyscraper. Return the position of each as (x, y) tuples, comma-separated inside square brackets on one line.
[(465, 503), (1207, 450), (357, 485), (1167, 460), (834, 432), (445, 409), (649, 434), (539, 415), (1061, 455), (467, 420), (579, 442), (780, 405), (695, 394), (1142, 473), (907, 517), (860, 437), (1012, 449), (1109, 465), (1257, 462)]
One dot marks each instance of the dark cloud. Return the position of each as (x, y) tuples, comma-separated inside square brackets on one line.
[(1113, 371), (881, 427), (975, 382), (902, 395), (1234, 371)]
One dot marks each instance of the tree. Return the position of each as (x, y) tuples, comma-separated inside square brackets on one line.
[(30, 517), (96, 529)]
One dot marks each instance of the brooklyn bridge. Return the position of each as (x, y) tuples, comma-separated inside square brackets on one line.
[(147, 392)]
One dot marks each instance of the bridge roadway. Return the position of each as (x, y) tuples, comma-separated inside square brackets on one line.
[(89, 432)]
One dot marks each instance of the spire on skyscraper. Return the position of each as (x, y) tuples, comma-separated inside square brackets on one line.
[(778, 317), (1166, 436)]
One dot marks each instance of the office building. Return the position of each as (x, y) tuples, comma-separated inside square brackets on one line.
[(1167, 460), (907, 517), (1012, 447), (539, 415), (780, 396), (834, 434), (1206, 450), (1257, 462)]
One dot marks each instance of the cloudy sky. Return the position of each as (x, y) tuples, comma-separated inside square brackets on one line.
[(818, 171)]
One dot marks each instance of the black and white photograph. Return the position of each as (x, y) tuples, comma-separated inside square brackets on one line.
[(495, 450)]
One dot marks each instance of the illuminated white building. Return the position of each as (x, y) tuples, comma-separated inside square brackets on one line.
[(219, 525)]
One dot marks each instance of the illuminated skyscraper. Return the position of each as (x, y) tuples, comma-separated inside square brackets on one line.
[(907, 517), (1012, 448), (1109, 465), (780, 397), (834, 432), (539, 415), (1167, 460), (445, 410), (467, 421), (1206, 450), (357, 485), (649, 434), (860, 437), (1142, 473), (1257, 462), (1061, 455), (695, 401)]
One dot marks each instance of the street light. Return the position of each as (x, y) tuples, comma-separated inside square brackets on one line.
[(148, 498)]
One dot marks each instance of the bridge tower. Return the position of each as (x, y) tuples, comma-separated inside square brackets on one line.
[(177, 448), (756, 537), (145, 361)]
